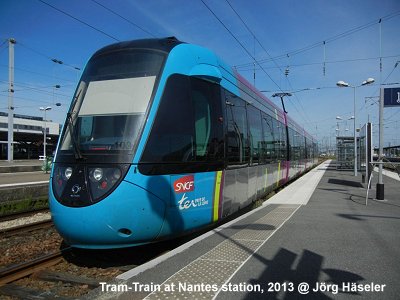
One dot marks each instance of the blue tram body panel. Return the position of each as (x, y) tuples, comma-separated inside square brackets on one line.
[(105, 224), (191, 202), (168, 206), (188, 198), (114, 204)]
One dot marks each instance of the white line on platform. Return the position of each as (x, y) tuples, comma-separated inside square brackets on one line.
[(388, 173), (21, 173), (22, 184), (300, 191)]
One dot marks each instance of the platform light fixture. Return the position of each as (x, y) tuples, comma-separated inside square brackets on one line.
[(342, 83)]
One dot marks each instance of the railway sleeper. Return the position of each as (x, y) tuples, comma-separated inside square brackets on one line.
[(65, 277), (22, 292)]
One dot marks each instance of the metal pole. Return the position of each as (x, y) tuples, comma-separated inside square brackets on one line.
[(380, 188), (44, 136), (10, 139), (355, 136)]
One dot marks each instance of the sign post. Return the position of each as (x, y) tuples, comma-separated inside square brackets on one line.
[(389, 97), (392, 97), (366, 152)]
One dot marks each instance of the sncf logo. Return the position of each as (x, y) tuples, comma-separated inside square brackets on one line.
[(184, 184)]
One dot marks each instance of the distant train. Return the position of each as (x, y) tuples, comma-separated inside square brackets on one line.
[(163, 138)]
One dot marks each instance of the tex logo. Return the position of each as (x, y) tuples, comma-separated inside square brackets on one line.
[(184, 184)]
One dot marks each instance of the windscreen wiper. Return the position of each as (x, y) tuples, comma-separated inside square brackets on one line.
[(77, 152)]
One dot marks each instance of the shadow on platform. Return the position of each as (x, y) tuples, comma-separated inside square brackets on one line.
[(345, 182)]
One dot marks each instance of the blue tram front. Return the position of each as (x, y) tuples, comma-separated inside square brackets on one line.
[(162, 138), (104, 191)]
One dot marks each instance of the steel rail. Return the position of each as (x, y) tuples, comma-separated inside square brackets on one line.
[(15, 272), (7, 232)]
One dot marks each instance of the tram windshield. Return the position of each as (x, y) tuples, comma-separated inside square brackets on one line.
[(108, 110)]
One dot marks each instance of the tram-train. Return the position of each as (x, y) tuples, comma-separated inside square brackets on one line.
[(163, 138)]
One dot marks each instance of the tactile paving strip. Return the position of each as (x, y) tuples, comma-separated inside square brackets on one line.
[(203, 278), (232, 250), (193, 281)]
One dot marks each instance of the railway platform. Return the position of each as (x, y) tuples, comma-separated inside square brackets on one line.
[(22, 179), (28, 165), (316, 239)]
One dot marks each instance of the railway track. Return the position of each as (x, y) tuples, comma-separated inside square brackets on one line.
[(37, 269), (70, 273), (50, 277), (14, 216), (8, 232), (24, 269)]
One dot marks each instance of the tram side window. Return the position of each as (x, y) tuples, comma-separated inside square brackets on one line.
[(171, 138), (292, 143), (256, 136), (296, 145), (208, 121), (309, 149), (278, 137), (302, 147), (236, 135), (268, 148), (306, 148), (188, 129), (315, 150), (282, 142)]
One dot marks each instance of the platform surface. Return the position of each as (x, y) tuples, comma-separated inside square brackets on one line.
[(316, 239)]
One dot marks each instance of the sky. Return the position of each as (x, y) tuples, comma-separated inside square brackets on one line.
[(319, 42)]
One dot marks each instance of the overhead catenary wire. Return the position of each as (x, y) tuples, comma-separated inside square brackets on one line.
[(384, 83), (326, 62), (3, 43), (80, 21), (48, 57), (125, 19), (327, 40), (237, 40), (30, 100), (250, 55), (266, 51), (254, 54), (38, 73), (19, 87), (324, 44)]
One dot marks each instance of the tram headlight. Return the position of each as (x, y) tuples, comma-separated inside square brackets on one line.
[(116, 174), (102, 180), (81, 185), (61, 175), (96, 174), (68, 173)]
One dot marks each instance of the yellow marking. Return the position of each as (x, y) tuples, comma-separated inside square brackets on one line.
[(217, 195), (279, 174), (266, 179)]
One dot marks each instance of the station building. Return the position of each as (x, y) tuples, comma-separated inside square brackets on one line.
[(28, 136)]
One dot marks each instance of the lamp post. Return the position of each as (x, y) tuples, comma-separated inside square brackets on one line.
[(345, 84), (10, 133), (45, 109), (338, 118)]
